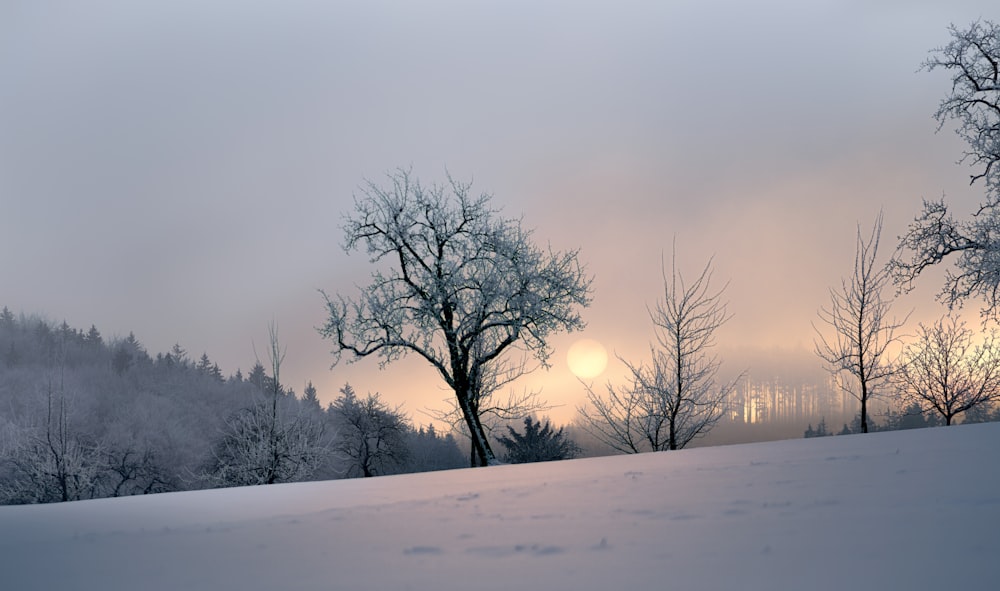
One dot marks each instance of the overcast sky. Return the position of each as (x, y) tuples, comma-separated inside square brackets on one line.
[(180, 169)]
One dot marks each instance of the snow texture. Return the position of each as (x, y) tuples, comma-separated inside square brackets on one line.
[(902, 510)]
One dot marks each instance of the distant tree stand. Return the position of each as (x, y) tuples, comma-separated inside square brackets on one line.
[(458, 285)]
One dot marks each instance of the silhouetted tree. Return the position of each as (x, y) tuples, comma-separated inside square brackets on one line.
[(863, 330), (429, 451), (310, 399), (465, 287), (946, 373), (538, 443), (819, 431), (676, 398), (370, 435), (982, 413), (910, 417)]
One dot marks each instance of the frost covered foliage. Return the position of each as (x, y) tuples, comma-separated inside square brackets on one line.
[(972, 245), (370, 437), (82, 418), (538, 443), (275, 439), (52, 458), (457, 284), (50, 464), (261, 446)]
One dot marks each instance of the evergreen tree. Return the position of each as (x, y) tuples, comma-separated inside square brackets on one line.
[(207, 368), (6, 319), (311, 399), (428, 451), (538, 443), (204, 365), (911, 417), (93, 337), (258, 377), (819, 431), (179, 355)]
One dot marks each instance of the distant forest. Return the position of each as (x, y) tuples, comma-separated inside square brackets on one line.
[(82, 416)]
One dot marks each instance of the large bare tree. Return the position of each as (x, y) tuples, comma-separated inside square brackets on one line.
[(676, 397), (972, 58), (863, 329), (945, 372), (456, 284)]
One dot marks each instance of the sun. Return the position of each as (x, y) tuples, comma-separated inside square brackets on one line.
[(587, 358)]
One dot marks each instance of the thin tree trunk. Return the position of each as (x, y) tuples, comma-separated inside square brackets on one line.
[(864, 407)]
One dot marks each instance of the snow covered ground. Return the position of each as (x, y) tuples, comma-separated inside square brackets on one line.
[(902, 510)]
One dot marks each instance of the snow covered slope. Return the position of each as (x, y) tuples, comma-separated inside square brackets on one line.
[(903, 510)]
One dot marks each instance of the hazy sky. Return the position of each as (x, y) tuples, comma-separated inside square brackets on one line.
[(179, 169)]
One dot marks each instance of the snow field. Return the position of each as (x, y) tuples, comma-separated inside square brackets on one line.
[(901, 510)]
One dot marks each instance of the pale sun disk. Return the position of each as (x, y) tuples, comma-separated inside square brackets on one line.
[(587, 358)]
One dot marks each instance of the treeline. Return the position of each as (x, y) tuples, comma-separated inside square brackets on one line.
[(910, 417), (84, 417)]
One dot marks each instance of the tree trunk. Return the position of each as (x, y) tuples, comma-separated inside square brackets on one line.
[(480, 445), (864, 407)]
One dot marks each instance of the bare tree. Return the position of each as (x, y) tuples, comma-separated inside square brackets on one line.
[(676, 397), (944, 372), (51, 463), (972, 57), (862, 327), (131, 470), (268, 443), (464, 287), (371, 435)]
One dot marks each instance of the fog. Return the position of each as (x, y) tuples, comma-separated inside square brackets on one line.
[(180, 170)]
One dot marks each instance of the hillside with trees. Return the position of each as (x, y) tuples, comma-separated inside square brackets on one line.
[(82, 417)]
